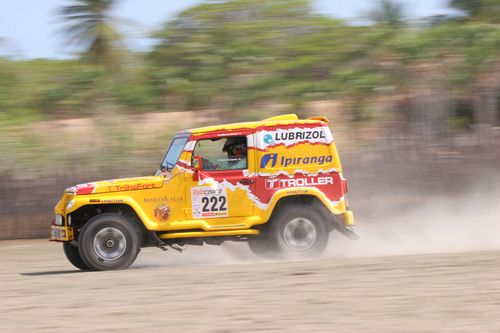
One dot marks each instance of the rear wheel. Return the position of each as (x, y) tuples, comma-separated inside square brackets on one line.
[(262, 246), (299, 230), (108, 242), (295, 231), (73, 256)]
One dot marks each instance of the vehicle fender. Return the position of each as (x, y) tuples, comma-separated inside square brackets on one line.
[(80, 201), (301, 191)]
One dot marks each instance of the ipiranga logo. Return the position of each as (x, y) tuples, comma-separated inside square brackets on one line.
[(271, 160), (288, 137)]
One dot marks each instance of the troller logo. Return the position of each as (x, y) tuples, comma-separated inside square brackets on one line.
[(273, 184)]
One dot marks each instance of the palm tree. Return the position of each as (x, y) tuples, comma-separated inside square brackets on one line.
[(90, 25)]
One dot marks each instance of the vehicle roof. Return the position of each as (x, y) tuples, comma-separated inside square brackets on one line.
[(286, 119)]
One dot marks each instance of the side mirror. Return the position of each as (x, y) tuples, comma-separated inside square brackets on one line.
[(197, 166), (197, 163)]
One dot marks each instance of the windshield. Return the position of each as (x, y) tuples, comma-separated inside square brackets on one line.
[(173, 153)]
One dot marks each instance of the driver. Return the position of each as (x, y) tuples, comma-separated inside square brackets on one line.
[(236, 149)]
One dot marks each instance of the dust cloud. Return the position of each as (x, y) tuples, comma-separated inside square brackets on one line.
[(226, 254), (468, 222), (439, 225)]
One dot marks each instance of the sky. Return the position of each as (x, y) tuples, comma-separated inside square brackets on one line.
[(30, 28)]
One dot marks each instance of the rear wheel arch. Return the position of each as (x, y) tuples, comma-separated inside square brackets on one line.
[(301, 199), (291, 200)]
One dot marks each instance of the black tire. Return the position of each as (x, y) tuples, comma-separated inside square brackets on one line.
[(262, 246), (73, 256), (299, 231), (108, 242)]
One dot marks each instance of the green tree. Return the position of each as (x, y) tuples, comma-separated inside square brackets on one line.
[(469, 7), (479, 10), (249, 51), (388, 12), (90, 25)]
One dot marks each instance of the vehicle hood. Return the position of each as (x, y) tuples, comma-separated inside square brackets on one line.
[(118, 185)]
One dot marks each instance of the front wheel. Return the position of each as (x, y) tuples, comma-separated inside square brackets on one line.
[(73, 256), (108, 242)]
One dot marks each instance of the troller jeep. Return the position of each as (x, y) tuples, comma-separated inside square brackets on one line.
[(276, 184)]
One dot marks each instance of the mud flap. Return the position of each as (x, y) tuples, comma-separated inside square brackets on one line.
[(344, 230)]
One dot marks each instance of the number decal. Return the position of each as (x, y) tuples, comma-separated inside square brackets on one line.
[(213, 200), (208, 202), (205, 202), (222, 201)]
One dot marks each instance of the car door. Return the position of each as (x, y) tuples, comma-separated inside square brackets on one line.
[(220, 190)]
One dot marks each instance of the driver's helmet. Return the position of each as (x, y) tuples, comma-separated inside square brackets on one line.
[(235, 147)]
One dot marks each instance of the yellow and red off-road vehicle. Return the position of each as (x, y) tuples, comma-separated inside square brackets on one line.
[(276, 184)]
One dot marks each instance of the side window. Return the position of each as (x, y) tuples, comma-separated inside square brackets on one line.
[(222, 153)]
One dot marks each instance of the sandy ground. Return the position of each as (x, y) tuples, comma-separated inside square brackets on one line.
[(226, 289)]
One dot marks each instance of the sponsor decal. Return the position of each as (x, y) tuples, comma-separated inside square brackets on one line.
[(301, 135), (161, 212), (264, 161), (84, 188), (208, 202), (272, 184), (127, 187), (229, 133), (163, 199), (106, 200), (70, 204), (292, 136), (298, 191), (111, 200), (268, 139), (271, 160), (58, 234)]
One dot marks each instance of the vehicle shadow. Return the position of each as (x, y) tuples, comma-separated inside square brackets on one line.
[(52, 273), (85, 271)]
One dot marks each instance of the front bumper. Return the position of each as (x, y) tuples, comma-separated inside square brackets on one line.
[(61, 234)]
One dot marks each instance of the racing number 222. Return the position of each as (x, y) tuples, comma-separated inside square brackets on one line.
[(221, 201)]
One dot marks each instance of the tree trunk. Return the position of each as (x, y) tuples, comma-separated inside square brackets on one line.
[(485, 105), (430, 104)]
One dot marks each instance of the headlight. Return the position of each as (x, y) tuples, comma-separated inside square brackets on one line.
[(59, 220)]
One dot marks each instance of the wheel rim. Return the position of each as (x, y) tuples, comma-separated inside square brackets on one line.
[(110, 243), (300, 234)]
